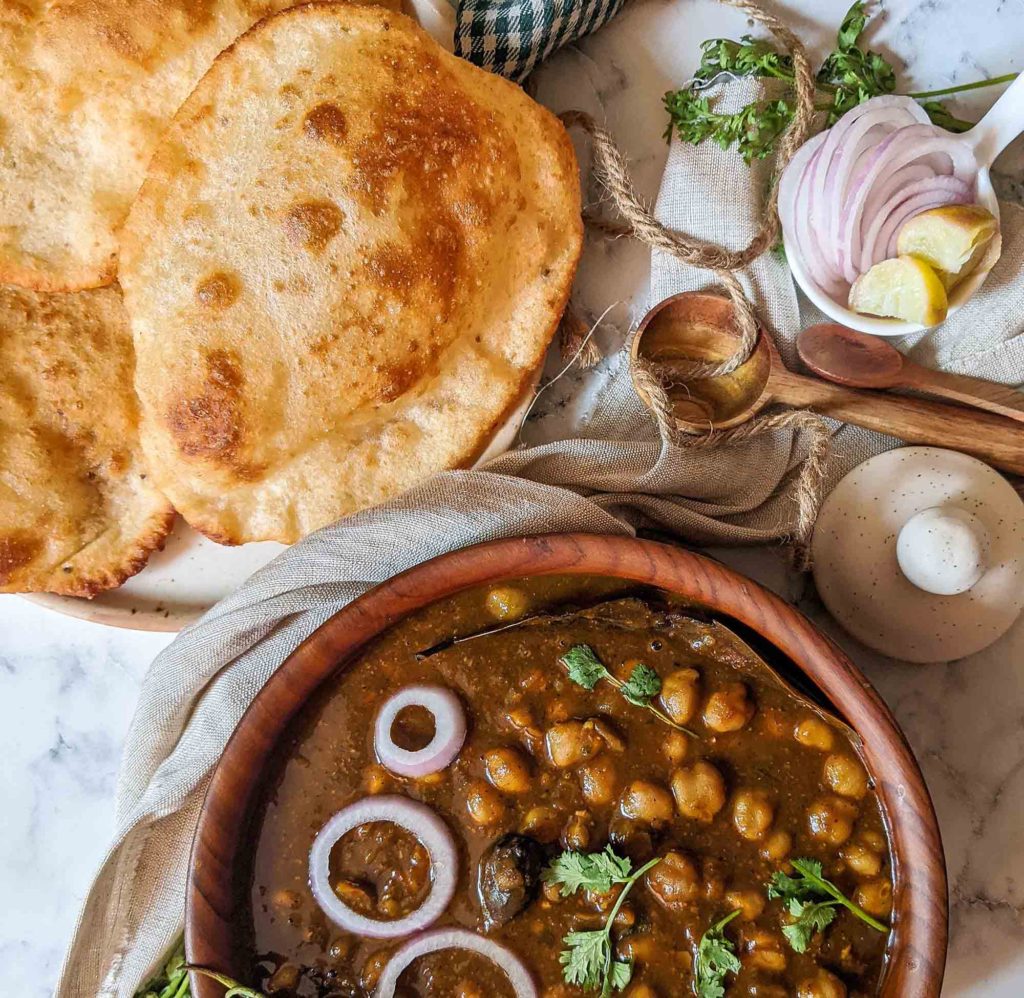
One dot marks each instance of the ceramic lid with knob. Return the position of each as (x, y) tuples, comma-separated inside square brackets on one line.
[(919, 553)]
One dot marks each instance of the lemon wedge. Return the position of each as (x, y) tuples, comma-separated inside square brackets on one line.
[(904, 288), (952, 240)]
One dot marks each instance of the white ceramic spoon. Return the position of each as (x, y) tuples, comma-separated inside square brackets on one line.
[(1003, 123)]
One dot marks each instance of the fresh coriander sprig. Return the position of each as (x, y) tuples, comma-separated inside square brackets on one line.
[(812, 901), (716, 957), (849, 76), (589, 962), (644, 684), (234, 989)]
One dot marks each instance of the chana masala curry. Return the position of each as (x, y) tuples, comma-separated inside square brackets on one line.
[(566, 786)]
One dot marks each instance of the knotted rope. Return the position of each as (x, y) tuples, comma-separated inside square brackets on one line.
[(638, 222)]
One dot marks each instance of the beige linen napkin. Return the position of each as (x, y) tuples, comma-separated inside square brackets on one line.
[(614, 475)]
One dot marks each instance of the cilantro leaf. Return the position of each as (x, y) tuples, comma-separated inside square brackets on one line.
[(596, 871), (812, 901), (642, 686), (621, 973), (585, 668), (716, 957), (587, 958), (811, 917), (588, 961), (852, 27), (850, 75)]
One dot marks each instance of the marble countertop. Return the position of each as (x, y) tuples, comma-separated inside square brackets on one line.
[(67, 687)]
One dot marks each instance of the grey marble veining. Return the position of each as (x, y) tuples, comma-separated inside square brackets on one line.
[(67, 688)]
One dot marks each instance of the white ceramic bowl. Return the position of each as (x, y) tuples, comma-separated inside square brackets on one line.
[(1003, 123)]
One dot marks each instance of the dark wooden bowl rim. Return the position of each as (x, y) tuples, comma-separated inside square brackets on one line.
[(918, 943)]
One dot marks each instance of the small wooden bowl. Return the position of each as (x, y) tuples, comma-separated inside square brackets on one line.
[(214, 894)]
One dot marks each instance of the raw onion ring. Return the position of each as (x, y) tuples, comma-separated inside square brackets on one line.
[(845, 194), (438, 939), (449, 731), (415, 818)]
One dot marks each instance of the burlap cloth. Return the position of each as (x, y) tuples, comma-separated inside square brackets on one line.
[(613, 475)]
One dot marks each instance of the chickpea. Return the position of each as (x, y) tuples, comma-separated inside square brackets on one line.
[(675, 881), (377, 779), (467, 989), (875, 897), (483, 803), (542, 823), (609, 735), (821, 985), (599, 780), (680, 691), (830, 820), (874, 840), (507, 603), (571, 743), (373, 968), (845, 775), (647, 802), (750, 903), (862, 860), (729, 709), (641, 947), (764, 951), (626, 918), (752, 814), (507, 770), (777, 845), (289, 900), (676, 746), (285, 978), (630, 839), (578, 831), (699, 791), (813, 732), (641, 991)]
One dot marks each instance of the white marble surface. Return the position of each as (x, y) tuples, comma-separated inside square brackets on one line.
[(67, 688)]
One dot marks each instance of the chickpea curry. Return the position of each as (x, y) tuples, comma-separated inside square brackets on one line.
[(560, 787)]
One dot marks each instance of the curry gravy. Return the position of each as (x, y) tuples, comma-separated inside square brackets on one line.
[(766, 779)]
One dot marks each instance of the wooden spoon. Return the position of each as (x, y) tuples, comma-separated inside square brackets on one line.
[(698, 326), (850, 358)]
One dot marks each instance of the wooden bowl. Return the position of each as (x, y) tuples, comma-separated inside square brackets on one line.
[(918, 944)]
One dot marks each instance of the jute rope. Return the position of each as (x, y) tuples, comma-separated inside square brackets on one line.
[(637, 221)]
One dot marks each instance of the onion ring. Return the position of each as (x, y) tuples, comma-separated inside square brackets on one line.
[(449, 731), (439, 939), (415, 818)]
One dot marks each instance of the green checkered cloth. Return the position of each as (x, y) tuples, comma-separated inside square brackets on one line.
[(511, 37)]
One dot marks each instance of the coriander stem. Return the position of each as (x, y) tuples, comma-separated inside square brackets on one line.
[(962, 87), (632, 879), (618, 684), (839, 896)]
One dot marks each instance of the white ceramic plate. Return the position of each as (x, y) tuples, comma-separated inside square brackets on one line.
[(192, 573)]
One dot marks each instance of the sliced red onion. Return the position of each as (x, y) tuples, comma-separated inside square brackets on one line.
[(440, 939), (903, 146), (844, 196), (849, 139), (449, 731), (415, 818)]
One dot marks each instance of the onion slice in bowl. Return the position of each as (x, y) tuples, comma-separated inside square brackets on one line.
[(415, 818), (449, 731), (440, 939)]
